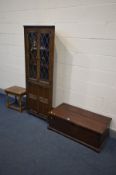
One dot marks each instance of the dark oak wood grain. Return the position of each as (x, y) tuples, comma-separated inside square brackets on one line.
[(81, 125), (18, 92), (39, 45)]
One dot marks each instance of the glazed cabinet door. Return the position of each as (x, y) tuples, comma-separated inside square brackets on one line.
[(45, 54), (31, 55)]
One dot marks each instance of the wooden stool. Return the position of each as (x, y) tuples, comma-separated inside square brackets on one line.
[(18, 92)]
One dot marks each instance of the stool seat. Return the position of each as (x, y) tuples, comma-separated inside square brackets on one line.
[(18, 92)]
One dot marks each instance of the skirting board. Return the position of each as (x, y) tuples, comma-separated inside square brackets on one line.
[(112, 132), (2, 91)]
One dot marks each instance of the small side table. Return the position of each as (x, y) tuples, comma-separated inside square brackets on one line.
[(18, 92)]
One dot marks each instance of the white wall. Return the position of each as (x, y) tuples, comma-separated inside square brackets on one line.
[(85, 49)]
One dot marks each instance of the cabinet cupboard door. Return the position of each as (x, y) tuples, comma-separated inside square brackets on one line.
[(45, 55), (44, 100), (32, 97), (32, 55)]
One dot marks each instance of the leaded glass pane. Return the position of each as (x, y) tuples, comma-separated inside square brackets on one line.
[(44, 40), (44, 56), (32, 36)]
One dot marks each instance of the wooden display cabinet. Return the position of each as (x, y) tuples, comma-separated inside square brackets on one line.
[(39, 59)]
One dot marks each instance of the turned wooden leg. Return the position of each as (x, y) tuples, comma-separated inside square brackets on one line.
[(16, 102), (20, 103), (7, 100)]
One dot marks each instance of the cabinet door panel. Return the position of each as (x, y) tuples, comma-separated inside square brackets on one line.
[(31, 54), (44, 100), (45, 54), (32, 97)]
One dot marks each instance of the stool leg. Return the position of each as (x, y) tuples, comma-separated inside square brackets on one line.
[(7, 100), (20, 105), (15, 100)]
